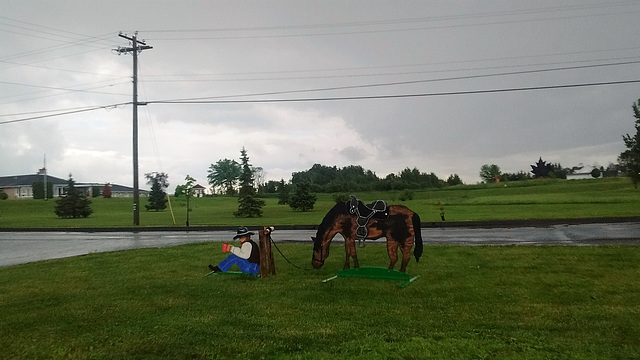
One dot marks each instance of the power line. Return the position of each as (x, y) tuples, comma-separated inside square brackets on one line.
[(370, 31), (342, 98), (47, 30), (373, 97), (552, 9), (68, 112), (411, 82), (66, 89), (63, 70)]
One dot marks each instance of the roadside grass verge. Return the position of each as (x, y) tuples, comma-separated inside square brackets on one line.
[(535, 199), (469, 303)]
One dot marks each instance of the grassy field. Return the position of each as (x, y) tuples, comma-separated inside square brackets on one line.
[(539, 199), (469, 303)]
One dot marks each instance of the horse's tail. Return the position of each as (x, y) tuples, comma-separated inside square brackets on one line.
[(417, 239)]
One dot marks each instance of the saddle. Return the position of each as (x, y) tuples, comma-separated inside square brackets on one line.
[(378, 210)]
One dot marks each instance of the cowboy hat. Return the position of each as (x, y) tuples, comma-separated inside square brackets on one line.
[(242, 232)]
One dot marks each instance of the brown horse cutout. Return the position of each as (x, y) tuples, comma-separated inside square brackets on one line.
[(401, 229)]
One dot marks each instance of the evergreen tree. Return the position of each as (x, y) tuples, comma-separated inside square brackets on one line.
[(74, 204), (248, 203), (630, 158), (540, 169), (283, 193), (157, 195), (302, 199)]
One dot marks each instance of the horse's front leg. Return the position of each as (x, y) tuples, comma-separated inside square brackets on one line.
[(350, 252), (392, 250)]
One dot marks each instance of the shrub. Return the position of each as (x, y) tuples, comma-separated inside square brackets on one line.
[(406, 195), (340, 197)]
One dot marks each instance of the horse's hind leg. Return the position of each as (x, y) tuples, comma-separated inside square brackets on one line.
[(350, 252), (392, 250), (406, 256)]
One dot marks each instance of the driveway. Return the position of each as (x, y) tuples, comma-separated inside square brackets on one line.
[(23, 247)]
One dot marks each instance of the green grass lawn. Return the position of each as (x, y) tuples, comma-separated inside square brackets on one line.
[(536, 199), (469, 303)]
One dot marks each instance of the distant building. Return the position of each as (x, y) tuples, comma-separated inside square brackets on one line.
[(584, 173), (21, 186), (199, 190)]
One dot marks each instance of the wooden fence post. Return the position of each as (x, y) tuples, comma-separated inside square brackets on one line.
[(267, 264)]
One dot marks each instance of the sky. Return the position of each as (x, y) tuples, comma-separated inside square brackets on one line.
[(441, 86)]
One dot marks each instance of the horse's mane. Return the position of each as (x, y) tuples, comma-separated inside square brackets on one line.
[(338, 209)]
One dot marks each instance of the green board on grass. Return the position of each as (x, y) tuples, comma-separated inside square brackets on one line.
[(231, 273)]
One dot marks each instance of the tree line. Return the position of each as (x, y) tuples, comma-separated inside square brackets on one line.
[(230, 177), (490, 173)]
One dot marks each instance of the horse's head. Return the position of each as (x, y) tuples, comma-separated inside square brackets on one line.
[(320, 252), (326, 231)]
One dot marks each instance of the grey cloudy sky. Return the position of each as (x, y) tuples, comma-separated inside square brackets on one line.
[(443, 86)]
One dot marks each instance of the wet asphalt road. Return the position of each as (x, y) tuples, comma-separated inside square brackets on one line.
[(24, 247)]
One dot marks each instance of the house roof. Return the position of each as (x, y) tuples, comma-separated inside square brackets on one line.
[(122, 188), (28, 180)]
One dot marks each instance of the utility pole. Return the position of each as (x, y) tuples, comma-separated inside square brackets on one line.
[(136, 47)]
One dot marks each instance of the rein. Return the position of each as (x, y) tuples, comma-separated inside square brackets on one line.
[(284, 257)]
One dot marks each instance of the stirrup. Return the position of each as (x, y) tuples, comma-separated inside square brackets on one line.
[(361, 243)]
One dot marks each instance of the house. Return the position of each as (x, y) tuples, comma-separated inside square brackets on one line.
[(123, 191), (21, 186), (199, 190), (584, 173)]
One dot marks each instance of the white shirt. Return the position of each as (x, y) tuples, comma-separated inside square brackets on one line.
[(242, 252)]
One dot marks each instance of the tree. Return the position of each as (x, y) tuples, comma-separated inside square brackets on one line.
[(540, 169), (283, 193), (630, 158), (74, 203), (38, 190), (157, 195), (488, 173), (187, 190), (224, 174), (595, 173), (179, 190), (454, 179), (258, 175), (302, 199), (556, 171), (248, 203), (519, 176), (106, 191)]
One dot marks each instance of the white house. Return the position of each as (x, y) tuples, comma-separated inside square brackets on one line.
[(21, 186), (585, 173)]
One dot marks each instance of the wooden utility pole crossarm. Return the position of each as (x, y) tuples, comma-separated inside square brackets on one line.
[(136, 47)]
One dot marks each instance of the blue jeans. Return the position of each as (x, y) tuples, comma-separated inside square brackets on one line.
[(244, 265)]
